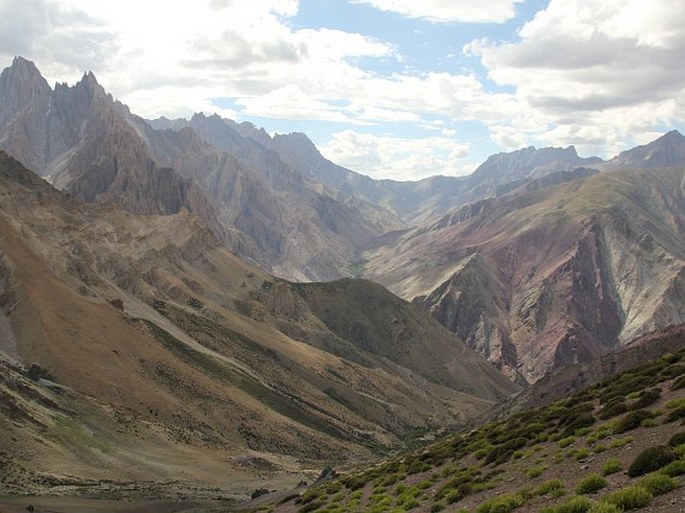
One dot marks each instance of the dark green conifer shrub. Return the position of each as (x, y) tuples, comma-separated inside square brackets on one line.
[(651, 459), (677, 439), (631, 420)]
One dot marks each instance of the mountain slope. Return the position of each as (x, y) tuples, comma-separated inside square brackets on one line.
[(542, 278), (666, 151), (172, 349), (616, 446), (290, 226), (93, 147)]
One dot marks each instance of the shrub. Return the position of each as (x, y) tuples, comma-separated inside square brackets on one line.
[(658, 484), (648, 398), (677, 414), (678, 383), (554, 487), (679, 452), (630, 497), (536, 471), (565, 442), (677, 439), (437, 506), (613, 408), (573, 505), (611, 466), (583, 420), (503, 504), (604, 507), (651, 459), (675, 468), (591, 484), (631, 420), (620, 442)]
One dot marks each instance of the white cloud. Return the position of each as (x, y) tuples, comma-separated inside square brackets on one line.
[(397, 158), (593, 73), (445, 11)]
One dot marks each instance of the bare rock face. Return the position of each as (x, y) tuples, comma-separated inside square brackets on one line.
[(541, 279), (289, 226), (81, 140), (26, 98)]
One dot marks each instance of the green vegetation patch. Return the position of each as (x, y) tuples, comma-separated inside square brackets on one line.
[(591, 484), (572, 505), (502, 504), (658, 484), (611, 466), (553, 487), (630, 497)]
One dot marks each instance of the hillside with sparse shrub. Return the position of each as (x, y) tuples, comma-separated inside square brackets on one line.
[(617, 446)]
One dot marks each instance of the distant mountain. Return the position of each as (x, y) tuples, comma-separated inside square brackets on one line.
[(668, 150), (414, 202), (548, 276), (81, 140), (142, 338), (86, 143)]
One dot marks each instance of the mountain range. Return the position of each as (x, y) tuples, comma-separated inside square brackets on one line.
[(276, 202), (157, 274)]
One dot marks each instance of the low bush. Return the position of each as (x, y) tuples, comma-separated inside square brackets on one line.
[(631, 420), (572, 505), (678, 383), (591, 484), (648, 398), (565, 442), (620, 442), (630, 497), (651, 459), (658, 484), (675, 468), (536, 471), (611, 466), (614, 408), (677, 414), (679, 451), (583, 420), (502, 504), (554, 487), (677, 439), (604, 507)]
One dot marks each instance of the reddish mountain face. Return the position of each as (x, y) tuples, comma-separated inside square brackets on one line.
[(537, 280)]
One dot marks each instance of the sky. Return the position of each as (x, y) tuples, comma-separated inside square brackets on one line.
[(399, 89)]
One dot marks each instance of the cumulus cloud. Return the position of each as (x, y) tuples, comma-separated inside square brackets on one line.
[(397, 158), (595, 72), (64, 37), (445, 11)]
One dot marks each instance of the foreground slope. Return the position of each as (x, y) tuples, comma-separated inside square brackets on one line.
[(160, 356), (617, 446), (549, 275)]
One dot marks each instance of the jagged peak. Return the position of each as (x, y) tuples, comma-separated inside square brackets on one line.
[(25, 69), (90, 81)]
